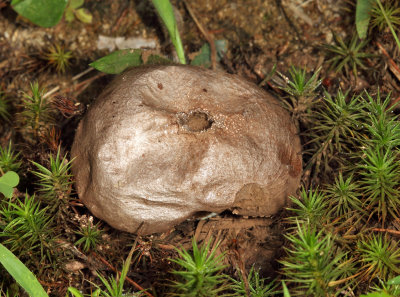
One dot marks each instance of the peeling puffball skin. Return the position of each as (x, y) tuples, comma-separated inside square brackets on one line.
[(164, 143)]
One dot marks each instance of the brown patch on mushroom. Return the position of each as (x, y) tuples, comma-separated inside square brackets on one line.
[(290, 158)]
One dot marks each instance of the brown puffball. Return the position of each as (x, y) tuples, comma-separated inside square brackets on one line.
[(163, 143)]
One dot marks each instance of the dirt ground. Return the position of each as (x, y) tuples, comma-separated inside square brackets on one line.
[(259, 35)]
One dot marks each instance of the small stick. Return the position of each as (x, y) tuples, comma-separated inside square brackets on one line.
[(76, 77), (386, 230), (392, 65), (209, 37), (79, 75), (51, 92), (169, 247), (79, 88), (119, 21), (199, 228)]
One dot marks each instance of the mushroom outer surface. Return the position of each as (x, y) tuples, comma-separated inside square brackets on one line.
[(163, 143)]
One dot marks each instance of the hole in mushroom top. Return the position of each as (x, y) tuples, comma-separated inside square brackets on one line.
[(195, 121)]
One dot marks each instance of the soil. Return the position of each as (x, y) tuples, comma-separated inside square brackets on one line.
[(260, 35)]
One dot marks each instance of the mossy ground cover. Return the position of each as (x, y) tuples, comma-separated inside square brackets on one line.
[(339, 237)]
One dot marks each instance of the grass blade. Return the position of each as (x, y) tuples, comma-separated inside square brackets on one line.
[(21, 273), (166, 12), (363, 16)]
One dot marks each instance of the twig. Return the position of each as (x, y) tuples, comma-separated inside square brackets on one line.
[(119, 21), (79, 88), (340, 281), (76, 77), (198, 230), (209, 37), (296, 31), (51, 92), (395, 102), (386, 230), (392, 65), (79, 75), (168, 247)]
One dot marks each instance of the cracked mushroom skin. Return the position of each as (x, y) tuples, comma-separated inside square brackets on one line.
[(163, 143)]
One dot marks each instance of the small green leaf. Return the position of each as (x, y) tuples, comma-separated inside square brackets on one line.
[(363, 16), (74, 4), (285, 290), (84, 15), (10, 178), (75, 292), (69, 15), (44, 13), (20, 273), (394, 281), (118, 61), (204, 56), (6, 190)]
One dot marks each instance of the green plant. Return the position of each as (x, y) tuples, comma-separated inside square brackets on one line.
[(347, 56), (9, 160), (381, 124), (26, 228), (21, 273), (382, 16), (256, 285), (203, 58), (298, 86), (114, 286), (55, 183), (391, 288), (302, 91), (314, 265), (166, 12), (389, 19), (90, 236), (336, 129), (8, 181), (343, 197), (380, 177), (4, 108), (379, 257), (39, 12), (74, 9), (377, 294), (58, 58), (37, 112), (378, 167), (286, 292), (118, 61), (201, 271), (311, 207)]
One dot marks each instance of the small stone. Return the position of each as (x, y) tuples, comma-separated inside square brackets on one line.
[(74, 266), (164, 143)]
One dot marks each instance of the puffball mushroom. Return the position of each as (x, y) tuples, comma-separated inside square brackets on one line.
[(163, 143)]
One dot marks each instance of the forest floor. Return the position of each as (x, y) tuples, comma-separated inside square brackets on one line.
[(261, 41)]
